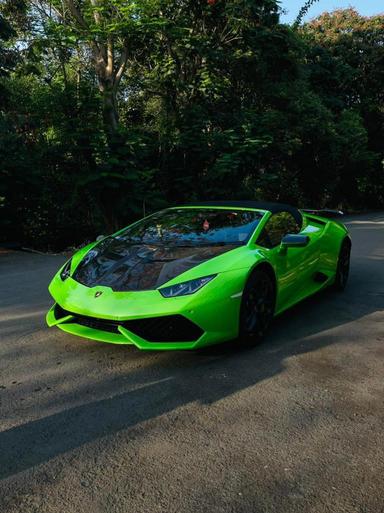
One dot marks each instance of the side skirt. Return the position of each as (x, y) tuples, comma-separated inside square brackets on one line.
[(317, 287)]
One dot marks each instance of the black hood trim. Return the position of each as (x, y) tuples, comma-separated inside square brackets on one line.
[(132, 267)]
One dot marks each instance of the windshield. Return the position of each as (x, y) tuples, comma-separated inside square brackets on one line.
[(194, 227)]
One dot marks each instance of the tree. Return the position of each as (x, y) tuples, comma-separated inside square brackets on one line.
[(113, 109), (8, 57), (106, 29), (346, 67)]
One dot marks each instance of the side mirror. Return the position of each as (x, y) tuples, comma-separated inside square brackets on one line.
[(293, 240)]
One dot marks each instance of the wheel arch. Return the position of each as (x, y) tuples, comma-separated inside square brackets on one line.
[(344, 240), (347, 239), (265, 266), (341, 276)]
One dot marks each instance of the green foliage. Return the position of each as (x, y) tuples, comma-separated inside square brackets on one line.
[(214, 100), (303, 11), (346, 68)]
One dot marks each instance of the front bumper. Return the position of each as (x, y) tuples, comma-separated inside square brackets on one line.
[(207, 317)]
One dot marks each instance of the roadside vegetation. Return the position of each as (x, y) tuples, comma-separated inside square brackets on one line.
[(111, 109)]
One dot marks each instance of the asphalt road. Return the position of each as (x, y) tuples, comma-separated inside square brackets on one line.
[(295, 425)]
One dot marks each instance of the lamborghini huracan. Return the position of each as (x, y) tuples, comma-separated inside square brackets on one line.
[(196, 275)]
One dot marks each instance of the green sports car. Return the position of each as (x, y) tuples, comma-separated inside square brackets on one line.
[(196, 275)]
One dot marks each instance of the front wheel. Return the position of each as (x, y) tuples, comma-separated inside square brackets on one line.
[(343, 263), (257, 308)]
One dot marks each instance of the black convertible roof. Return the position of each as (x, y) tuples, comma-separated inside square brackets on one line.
[(262, 205)]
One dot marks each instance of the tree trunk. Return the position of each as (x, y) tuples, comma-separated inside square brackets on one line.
[(110, 113)]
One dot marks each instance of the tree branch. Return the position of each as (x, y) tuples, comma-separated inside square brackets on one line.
[(96, 14), (76, 13), (56, 11), (122, 66)]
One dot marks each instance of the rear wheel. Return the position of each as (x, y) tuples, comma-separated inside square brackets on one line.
[(343, 263), (257, 308)]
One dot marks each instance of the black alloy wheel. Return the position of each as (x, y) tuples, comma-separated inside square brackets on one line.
[(257, 308), (343, 264)]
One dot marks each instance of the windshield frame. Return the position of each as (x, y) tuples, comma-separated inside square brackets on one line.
[(248, 241)]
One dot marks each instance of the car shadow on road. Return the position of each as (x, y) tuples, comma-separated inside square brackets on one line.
[(178, 379)]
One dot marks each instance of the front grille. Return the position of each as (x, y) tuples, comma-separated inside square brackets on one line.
[(97, 324), (90, 322), (169, 328)]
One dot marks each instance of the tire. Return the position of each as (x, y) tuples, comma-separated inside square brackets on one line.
[(343, 263), (257, 308)]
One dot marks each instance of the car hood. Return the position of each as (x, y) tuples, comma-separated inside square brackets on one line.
[(125, 267)]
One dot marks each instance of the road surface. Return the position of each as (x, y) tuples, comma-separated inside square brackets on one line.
[(295, 425)]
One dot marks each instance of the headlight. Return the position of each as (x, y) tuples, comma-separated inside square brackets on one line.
[(66, 271), (188, 287)]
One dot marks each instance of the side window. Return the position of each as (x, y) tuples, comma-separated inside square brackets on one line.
[(277, 226)]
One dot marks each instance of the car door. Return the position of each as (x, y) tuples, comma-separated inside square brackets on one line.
[(295, 267)]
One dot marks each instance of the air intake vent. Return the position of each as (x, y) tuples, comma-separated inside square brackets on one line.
[(168, 328)]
